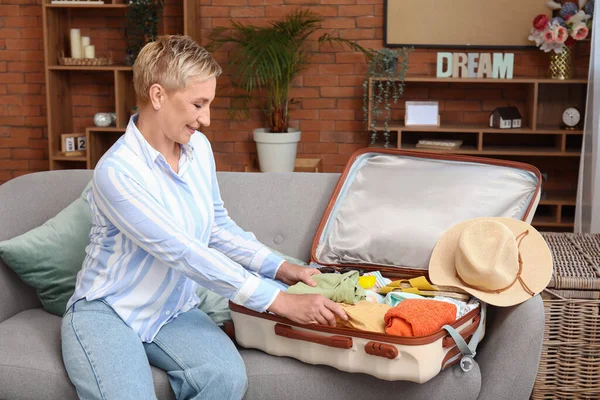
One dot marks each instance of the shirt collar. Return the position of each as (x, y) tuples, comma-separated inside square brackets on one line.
[(188, 150), (139, 144)]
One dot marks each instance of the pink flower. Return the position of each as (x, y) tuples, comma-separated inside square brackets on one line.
[(580, 32), (561, 34), (549, 36), (540, 22)]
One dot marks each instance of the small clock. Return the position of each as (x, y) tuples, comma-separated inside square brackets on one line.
[(571, 118)]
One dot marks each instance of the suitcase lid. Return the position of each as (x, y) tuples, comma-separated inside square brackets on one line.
[(390, 206)]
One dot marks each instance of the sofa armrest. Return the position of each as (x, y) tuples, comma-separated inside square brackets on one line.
[(509, 355), (15, 296)]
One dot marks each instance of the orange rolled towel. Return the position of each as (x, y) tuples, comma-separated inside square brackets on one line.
[(419, 317)]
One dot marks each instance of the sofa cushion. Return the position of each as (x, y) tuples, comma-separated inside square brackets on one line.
[(31, 368), (27, 202), (49, 257), (31, 365)]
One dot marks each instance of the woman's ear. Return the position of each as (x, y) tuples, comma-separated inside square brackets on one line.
[(157, 96)]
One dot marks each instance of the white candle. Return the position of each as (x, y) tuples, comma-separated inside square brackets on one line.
[(90, 52), (75, 43), (85, 41)]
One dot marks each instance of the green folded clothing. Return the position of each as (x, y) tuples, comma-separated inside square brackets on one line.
[(341, 288)]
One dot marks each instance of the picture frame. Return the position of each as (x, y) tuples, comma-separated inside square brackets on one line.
[(473, 24), (422, 113)]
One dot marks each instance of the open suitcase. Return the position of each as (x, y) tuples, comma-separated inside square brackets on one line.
[(386, 213)]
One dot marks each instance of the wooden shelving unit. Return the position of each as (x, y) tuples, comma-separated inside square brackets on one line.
[(540, 141), (114, 81), (191, 12), (61, 80), (90, 68), (104, 5), (301, 165), (487, 80)]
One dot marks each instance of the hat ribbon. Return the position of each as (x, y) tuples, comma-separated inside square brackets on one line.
[(517, 278)]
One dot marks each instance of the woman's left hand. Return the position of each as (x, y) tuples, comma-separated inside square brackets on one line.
[(290, 274)]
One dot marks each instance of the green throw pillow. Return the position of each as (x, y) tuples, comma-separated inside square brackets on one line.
[(49, 257)]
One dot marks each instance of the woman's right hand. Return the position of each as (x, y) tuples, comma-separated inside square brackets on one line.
[(307, 308)]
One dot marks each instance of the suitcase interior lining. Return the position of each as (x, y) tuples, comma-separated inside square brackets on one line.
[(392, 208)]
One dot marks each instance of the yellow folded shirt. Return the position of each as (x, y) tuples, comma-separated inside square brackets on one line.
[(365, 316)]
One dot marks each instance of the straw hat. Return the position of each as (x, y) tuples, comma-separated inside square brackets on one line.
[(501, 261)]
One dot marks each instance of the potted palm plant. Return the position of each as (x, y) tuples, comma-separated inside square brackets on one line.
[(265, 60)]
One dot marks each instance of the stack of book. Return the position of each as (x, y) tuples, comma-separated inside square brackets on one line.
[(439, 144)]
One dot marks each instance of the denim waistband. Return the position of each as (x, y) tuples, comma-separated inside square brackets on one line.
[(91, 305)]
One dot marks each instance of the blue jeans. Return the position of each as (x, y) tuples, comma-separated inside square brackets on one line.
[(105, 359)]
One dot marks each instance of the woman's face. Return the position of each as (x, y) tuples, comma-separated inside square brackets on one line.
[(185, 111)]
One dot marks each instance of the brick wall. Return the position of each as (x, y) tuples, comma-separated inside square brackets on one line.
[(330, 92), (23, 144), (23, 133)]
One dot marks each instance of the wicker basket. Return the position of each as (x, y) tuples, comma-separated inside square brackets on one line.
[(570, 363), (85, 62)]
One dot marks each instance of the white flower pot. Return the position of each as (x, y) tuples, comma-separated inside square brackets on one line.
[(276, 151)]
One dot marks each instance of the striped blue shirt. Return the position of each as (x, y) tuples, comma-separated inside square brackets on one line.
[(156, 235)]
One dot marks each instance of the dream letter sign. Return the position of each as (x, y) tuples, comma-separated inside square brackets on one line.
[(475, 65)]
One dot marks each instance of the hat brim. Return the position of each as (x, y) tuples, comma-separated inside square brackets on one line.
[(536, 256)]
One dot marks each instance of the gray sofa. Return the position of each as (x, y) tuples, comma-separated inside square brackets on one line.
[(283, 210)]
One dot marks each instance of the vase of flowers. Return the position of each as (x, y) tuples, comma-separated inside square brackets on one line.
[(561, 64), (558, 34)]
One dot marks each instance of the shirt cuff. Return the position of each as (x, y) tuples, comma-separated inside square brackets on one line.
[(266, 262), (278, 266), (256, 294)]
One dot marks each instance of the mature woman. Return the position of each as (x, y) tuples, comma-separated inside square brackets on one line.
[(160, 230)]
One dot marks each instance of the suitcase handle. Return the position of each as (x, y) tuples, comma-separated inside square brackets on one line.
[(465, 333), (341, 342), (381, 350)]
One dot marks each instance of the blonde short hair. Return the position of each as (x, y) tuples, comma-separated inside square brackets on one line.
[(172, 61)]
